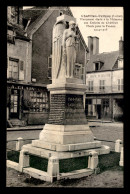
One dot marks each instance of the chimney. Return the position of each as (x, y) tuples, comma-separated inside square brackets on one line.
[(90, 46), (121, 47), (20, 15), (95, 45)]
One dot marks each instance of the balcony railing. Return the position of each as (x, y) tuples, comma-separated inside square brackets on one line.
[(105, 89)]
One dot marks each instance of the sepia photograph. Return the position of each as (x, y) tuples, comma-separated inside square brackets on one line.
[(65, 97)]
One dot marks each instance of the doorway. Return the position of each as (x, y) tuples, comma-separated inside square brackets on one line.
[(99, 111), (14, 103)]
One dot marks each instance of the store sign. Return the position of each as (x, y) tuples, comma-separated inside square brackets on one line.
[(99, 75)]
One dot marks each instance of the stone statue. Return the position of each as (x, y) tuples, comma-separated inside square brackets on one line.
[(64, 50), (58, 30), (69, 43)]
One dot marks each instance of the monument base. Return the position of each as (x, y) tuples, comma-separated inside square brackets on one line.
[(66, 135), (46, 153)]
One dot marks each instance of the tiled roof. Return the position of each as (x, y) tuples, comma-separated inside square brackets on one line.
[(108, 58), (34, 13)]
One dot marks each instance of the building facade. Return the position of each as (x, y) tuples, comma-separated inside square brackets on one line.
[(22, 109), (29, 62), (104, 80)]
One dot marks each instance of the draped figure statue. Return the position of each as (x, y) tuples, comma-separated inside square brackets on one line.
[(64, 50), (69, 43), (57, 55)]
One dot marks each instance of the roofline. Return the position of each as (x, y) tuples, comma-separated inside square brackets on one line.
[(27, 84), (104, 70), (32, 28), (23, 38)]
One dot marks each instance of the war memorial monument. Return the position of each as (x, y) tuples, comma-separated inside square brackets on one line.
[(67, 133)]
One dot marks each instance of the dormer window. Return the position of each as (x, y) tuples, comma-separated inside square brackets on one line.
[(98, 65), (120, 63)]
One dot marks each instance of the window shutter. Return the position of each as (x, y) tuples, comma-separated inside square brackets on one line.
[(21, 70)]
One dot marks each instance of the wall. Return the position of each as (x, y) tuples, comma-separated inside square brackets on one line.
[(95, 77), (116, 74), (36, 118), (81, 54), (20, 50)]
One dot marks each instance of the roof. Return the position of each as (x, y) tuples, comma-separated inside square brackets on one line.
[(108, 58), (20, 33), (34, 13)]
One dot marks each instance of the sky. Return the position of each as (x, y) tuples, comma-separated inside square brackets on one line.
[(109, 38)]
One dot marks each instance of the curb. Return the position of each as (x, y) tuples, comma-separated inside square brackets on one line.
[(25, 128)]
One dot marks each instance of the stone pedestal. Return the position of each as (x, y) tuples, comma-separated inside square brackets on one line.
[(67, 133), (67, 130)]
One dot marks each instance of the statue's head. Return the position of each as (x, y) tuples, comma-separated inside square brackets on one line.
[(72, 24)]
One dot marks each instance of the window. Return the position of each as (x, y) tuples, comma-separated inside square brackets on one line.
[(11, 36), (120, 84), (79, 71), (39, 101), (49, 75), (98, 65), (13, 68), (101, 85), (14, 101), (120, 63), (90, 85)]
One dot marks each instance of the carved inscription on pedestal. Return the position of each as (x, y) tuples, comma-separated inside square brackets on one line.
[(74, 112), (66, 109), (57, 109)]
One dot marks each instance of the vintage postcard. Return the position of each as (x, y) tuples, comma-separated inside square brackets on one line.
[(65, 68)]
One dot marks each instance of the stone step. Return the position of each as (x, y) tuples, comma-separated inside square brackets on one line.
[(38, 174), (66, 147), (17, 122), (76, 174)]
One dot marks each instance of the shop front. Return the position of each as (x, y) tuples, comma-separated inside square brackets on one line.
[(28, 104), (98, 107)]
